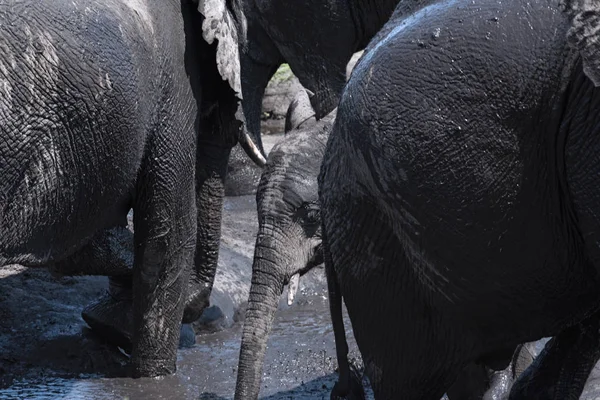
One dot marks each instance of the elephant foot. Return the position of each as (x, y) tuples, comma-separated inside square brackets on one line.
[(111, 317), (355, 391)]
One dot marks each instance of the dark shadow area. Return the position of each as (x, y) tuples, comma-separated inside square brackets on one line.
[(41, 332)]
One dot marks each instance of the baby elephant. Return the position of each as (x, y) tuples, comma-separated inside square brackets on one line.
[(288, 242)]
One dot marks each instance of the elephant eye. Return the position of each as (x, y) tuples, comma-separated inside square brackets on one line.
[(310, 213), (313, 216)]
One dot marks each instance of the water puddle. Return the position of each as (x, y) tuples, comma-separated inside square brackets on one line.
[(300, 361)]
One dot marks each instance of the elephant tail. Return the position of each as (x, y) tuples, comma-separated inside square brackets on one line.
[(349, 385)]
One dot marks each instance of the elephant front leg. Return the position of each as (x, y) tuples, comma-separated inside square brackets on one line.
[(563, 367), (165, 238), (211, 172)]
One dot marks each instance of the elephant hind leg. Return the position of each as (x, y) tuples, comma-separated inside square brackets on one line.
[(411, 351), (472, 383), (563, 367), (165, 240), (112, 315), (349, 385)]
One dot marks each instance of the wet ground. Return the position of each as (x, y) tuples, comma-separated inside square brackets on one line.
[(47, 353)]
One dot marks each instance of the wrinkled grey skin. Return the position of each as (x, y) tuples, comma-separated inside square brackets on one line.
[(316, 38), (289, 243), (459, 193), (243, 175), (103, 106), (214, 68)]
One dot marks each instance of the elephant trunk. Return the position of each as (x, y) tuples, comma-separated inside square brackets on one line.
[(267, 285)]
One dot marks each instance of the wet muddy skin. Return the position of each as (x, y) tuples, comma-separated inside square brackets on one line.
[(47, 353)]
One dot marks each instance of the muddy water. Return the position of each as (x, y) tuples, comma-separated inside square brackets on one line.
[(300, 364), (48, 354)]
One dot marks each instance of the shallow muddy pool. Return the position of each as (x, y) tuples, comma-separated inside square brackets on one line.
[(300, 364), (47, 353)]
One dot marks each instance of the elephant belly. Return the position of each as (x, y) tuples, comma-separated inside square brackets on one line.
[(62, 193)]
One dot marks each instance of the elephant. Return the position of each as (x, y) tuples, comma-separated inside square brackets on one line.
[(288, 240), (117, 105), (316, 39), (220, 124), (289, 244), (458, 197), (285, 32)]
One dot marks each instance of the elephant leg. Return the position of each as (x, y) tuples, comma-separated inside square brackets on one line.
[(255, 78), (110, 253), (349, 385), (211, 173), (109, 312), (498, 367), (563, 367), (111, 316), (164, 240), (471, 384)]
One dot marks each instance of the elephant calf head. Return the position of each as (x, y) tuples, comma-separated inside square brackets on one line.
[(288, 242)]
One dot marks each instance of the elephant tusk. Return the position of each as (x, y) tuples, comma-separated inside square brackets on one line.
[(252, 150), (293, 288)]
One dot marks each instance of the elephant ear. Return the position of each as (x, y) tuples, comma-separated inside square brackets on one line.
[(584, 34), (224, 21)]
